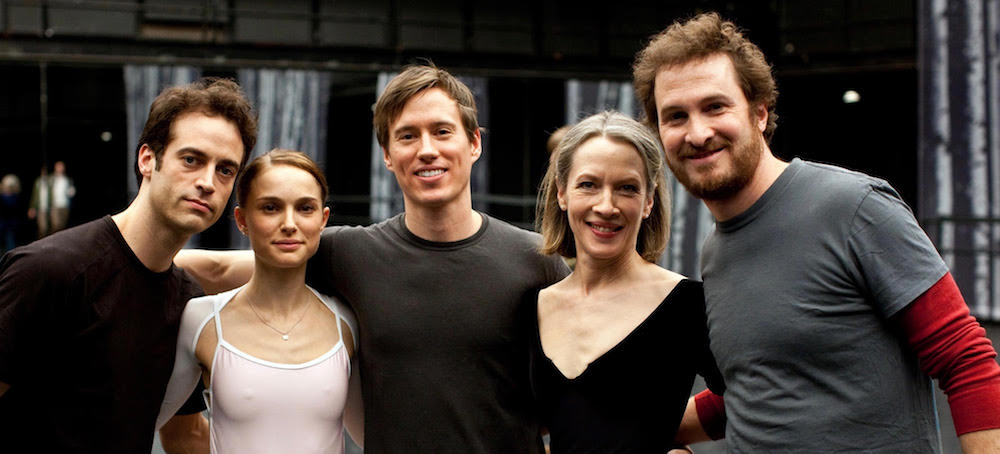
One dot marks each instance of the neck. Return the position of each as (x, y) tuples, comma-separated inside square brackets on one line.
[(768, 170), (450, 222), (150, 240), (279, 291), (594, 274)]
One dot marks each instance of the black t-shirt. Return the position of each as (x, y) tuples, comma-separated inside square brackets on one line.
[(630, 399), (87, 342)]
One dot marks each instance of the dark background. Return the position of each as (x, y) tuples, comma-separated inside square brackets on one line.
[(61, 83)]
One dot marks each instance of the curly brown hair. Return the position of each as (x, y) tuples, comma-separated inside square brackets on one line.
[(697, 38)]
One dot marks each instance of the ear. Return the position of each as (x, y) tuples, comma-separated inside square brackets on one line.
[(477, 145), (561, 197), (146, 161), (241, 222), (386, 159), (760, 116), (326, 214)]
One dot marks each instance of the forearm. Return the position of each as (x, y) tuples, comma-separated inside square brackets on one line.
[(981, 442), (217, 271), (704, 419), (185, 434), (690, 431), (954, 349)]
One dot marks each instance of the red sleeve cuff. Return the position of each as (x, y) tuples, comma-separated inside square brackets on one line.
[(977, 409), (954, 349), (711, 413)]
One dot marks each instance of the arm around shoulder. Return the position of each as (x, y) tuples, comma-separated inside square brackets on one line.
[(217, 271)]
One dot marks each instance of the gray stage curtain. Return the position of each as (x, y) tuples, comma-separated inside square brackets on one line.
[(959, 144), (292, 108), (387, 198), (691, 222)]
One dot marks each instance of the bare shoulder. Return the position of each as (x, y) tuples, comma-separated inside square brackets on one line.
[(658, 282)]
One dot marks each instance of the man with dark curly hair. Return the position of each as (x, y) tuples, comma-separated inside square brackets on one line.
[(89, 315)]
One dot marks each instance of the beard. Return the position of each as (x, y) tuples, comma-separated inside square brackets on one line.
[(705, 184)]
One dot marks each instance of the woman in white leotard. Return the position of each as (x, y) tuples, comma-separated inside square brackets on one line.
[(274, 355)]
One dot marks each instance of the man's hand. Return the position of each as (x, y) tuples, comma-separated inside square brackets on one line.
[(185, 434)]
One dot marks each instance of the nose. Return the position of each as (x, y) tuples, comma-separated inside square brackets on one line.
[(605, 206), (288, 221), (427, 152), (699, 131), (206, 180)]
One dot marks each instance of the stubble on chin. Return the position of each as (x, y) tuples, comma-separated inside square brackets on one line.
[(708, 184)]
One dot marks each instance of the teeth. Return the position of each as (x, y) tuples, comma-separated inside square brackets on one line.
[(430, 173), (603, 229)]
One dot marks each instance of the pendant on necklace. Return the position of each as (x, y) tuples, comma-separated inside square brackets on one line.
[(284, 337)]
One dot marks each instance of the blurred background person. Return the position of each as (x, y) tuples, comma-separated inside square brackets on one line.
[(41, 201), (10, 211), (61, 192)]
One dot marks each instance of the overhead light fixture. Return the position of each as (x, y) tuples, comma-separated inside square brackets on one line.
[(851, 97)]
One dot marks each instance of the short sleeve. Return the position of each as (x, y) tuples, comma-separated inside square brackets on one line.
[(320, 266), (186, 374), (896, 260)]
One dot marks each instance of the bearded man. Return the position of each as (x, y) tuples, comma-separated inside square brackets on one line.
[(828, 307)]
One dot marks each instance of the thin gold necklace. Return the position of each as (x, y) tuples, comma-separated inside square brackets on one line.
[(284, 334)]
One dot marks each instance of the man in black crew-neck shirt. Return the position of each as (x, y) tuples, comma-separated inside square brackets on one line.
[(89, 315)]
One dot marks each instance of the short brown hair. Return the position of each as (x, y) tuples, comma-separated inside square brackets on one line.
[(551, 220), (211, 96), (700, 37), (413, 80), (279, 157)]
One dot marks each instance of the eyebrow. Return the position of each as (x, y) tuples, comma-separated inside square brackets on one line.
[(706, 100), (435, 124), (271, 198)]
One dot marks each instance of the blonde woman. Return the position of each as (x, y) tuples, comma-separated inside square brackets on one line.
[(619, 340)]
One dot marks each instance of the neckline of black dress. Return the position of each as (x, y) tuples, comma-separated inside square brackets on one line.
[(617, 346)]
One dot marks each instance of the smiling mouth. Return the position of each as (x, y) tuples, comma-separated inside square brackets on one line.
[(605, 229), (430, 173)]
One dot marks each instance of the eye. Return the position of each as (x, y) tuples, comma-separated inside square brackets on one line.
[(586, 185), (227, 171), (308, 208), (189, 160), (674, 117), (631, 188), (269, 207), (714, 107)]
